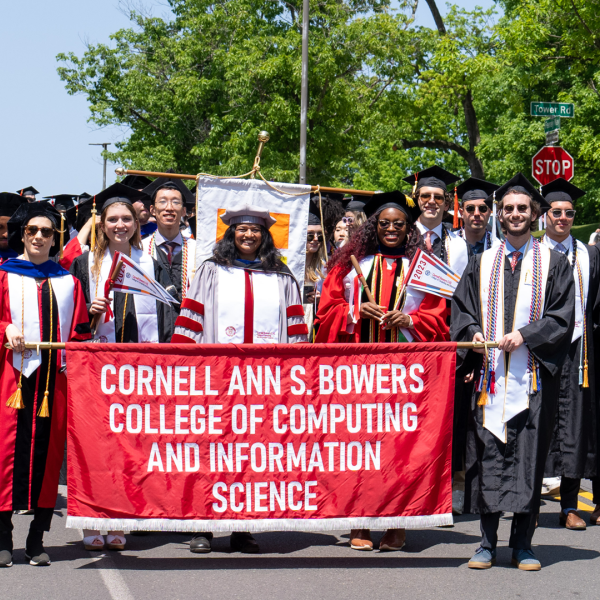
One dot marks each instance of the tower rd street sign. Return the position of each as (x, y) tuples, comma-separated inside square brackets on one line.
[(552, 162), (552, 109)]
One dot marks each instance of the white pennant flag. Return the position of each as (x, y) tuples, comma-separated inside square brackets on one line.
[(429, 274)]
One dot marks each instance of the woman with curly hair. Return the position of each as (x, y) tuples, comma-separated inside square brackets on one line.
[(383, 246)]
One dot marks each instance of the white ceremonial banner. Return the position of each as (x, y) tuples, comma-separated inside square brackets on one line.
[(429, 274), (291, 212)]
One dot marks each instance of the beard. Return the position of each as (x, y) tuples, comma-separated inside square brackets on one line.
[(517, 229)]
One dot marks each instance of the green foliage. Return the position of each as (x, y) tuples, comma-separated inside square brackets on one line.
[(193, 92)]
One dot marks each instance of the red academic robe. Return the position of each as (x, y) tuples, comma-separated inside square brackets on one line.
[(70, 252), (332, 317), (32, 447)]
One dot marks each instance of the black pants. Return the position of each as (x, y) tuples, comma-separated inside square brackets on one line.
[(42, 518), (521, 531), (569, 490)]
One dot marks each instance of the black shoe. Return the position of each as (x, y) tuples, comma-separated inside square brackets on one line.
[(6, 558), (243, 542), (34, 549), (200, 543), (139, 533)]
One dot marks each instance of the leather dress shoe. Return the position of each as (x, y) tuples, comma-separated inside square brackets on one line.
[(360, 539), (571, 520), (242, 541), (595, 516), (200, 543), (393, 539)]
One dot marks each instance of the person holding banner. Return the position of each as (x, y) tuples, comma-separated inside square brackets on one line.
[(430, 191), (176, 255), (574, 448), (243, 294), (40, 302), (383, 246), (521, 295), (475, 214)]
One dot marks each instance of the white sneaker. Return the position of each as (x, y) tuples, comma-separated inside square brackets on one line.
[(458, 502), (551, 486)]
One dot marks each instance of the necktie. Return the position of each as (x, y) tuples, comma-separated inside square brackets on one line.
[(169, 247), (428, 240), (560, 248), (514, 260)]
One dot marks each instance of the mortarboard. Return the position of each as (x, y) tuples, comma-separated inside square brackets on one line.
[(189, 197), (28, 191), (23, 215), (248, 213), (393, 199), (475, 189), (433, 177), (9, 203), (137, 182), (560, 190)]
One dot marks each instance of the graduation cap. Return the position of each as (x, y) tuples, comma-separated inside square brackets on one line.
[(83, 196), (24, 214), (519, 183), (137, 182), (435, 177), (560, 190), (314, 214), (28, 191), (117, 192), (356, 203), (393, 199), (65, 201), (9, 203), (475, 189), (151, 190)]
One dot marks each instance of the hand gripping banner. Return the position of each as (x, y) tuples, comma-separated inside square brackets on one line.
[(259, 438)]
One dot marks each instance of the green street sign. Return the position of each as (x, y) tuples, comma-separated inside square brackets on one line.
[(552, 109), (551, 124)]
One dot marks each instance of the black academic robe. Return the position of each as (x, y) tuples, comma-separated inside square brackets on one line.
[(508, 477), (574, 447), (166, 313), (173, 270)]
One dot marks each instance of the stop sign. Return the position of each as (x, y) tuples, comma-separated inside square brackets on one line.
[(552, 162)]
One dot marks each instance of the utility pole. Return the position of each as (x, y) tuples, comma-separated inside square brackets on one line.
[(104, 145), (304, 91)]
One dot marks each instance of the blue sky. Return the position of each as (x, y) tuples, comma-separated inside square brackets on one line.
[(45, 132)]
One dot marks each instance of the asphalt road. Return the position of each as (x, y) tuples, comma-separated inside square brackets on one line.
[(304, 566)]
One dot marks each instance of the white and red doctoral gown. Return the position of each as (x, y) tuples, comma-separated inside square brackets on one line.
[(241, 304), (32, 447), (338, 318)]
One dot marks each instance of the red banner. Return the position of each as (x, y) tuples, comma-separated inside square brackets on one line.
[(259, 437)]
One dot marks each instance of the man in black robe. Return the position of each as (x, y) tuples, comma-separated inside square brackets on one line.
[(574, 451), (506, 455)]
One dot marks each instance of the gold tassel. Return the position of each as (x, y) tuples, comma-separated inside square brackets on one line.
[(16, 400), (44, 412), (62, 234), (586, 383), (93, 233), (410, 202), (483, 399)]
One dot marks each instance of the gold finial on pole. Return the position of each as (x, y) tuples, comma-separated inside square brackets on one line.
[(120, 171), (263, 138)]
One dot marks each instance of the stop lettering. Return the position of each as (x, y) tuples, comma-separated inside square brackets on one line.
[(552, 162)]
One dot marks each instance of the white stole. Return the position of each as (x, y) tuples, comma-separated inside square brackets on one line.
[(63, 289), (457, 251), (512, 389), (231, 302), (145, 307), (583, 259), (352, 294)]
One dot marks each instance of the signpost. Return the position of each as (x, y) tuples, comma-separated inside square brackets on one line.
[(552, 109), (552, 138), (552, 162)]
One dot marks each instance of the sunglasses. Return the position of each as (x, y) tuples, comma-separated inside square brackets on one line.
[(470, 208), (385, 224), (32, 231), (347, 220), (520, 208), (439, 199), (557, 213), (313, 234)]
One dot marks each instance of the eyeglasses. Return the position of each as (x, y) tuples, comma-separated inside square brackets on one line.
[(439, 199), (311, 235), (32, 230), (177, 204), (470, 208), (347, 220), (520, 208), (557, 213), (385, 224)]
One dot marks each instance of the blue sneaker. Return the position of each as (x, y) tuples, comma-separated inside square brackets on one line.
[(525, 560), (483, 559)]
